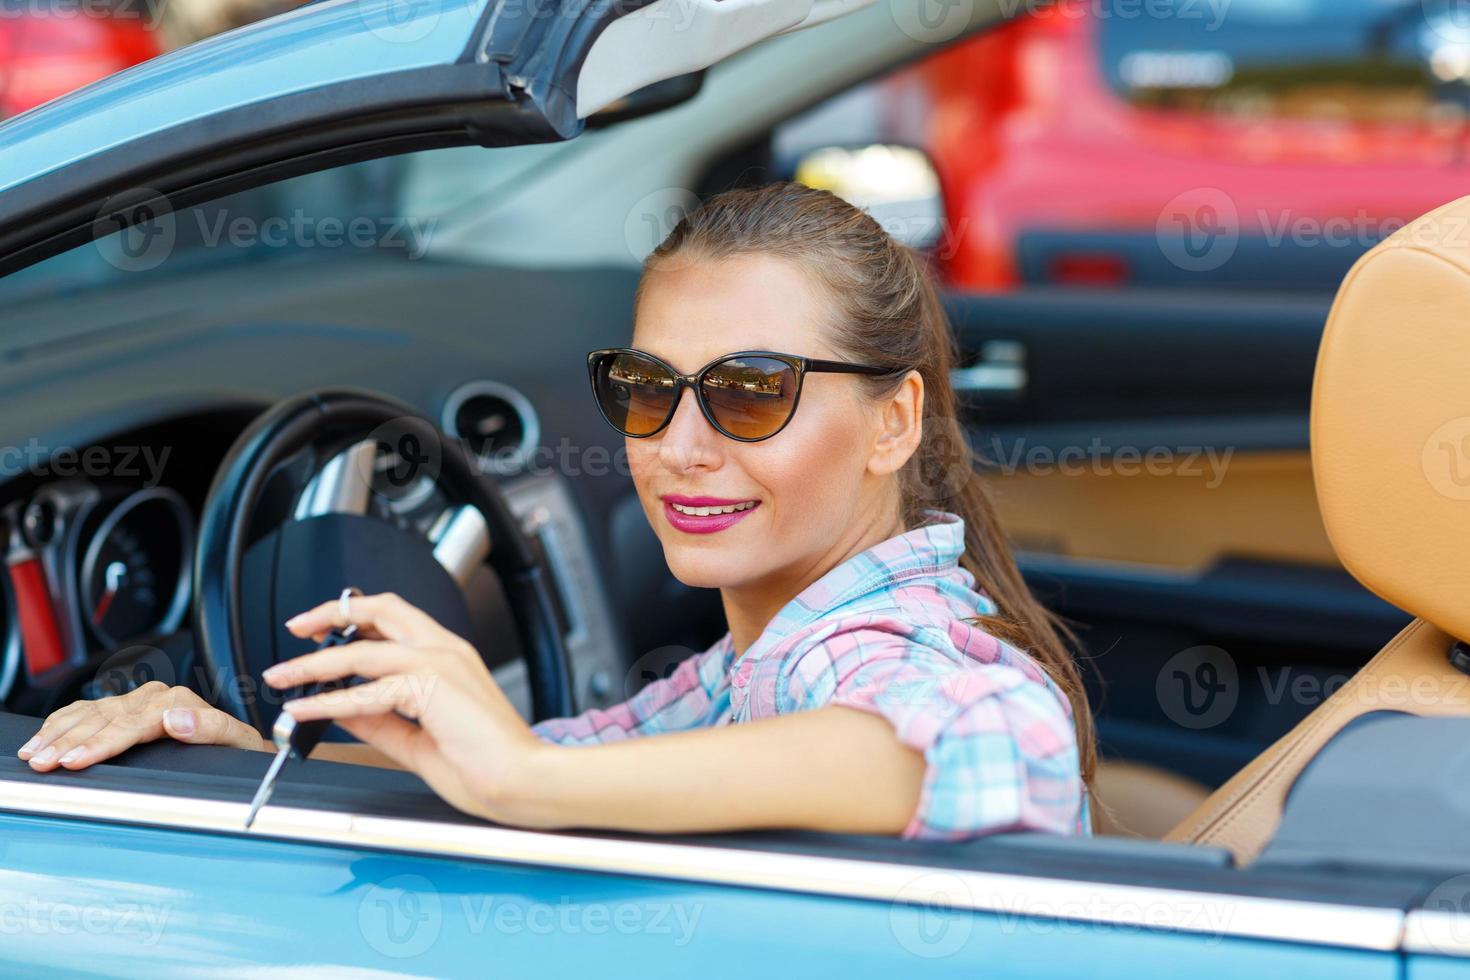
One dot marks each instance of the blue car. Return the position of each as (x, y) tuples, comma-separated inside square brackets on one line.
[(301, 303)]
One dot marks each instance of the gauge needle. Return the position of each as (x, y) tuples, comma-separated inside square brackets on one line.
[(115, 574)]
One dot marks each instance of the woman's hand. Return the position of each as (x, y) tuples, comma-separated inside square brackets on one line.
[(87, 732), (429, 702)]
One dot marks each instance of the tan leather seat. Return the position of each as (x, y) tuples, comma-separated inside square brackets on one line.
[(1391, 459), (1141, 800)]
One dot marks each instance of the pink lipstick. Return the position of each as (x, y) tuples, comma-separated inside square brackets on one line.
[(705, 515)]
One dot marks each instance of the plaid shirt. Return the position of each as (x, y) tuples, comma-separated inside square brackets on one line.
[(885, 632)]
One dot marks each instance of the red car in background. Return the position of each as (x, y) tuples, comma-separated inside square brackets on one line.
[(49, 49), (1245, 143)]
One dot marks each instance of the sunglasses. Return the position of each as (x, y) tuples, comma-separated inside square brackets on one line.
[(748, 396)]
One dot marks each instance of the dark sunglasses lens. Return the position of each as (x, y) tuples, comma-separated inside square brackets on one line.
[(635, 392), (751, 397)]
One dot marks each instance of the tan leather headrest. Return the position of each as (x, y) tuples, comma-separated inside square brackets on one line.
[(1391, 419)]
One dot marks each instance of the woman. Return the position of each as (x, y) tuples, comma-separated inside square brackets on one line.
[(885, 671)]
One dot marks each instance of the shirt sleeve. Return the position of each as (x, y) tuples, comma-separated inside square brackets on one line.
[(999, 746), (677, 702)]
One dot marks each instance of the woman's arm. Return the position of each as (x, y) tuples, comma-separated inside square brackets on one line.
[(834, 769), (431, 705)]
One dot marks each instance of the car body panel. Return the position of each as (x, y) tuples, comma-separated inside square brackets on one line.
[(189, 903), (1435, 968), (1027, 117), (328, 43)]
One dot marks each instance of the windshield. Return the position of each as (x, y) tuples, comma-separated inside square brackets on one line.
[(403, 208)]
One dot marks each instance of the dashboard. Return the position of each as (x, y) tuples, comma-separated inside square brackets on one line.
[(181, 363), (99, 546)]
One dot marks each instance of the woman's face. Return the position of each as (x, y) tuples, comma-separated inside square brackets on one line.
[(821, 484)]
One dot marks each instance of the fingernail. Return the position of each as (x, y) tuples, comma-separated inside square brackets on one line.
[(291, 704), (180, 720), (294, 620), (29, 747), (74, 754), (274, 674), (45, 755)]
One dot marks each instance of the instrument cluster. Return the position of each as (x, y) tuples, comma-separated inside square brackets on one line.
[(90, 567)]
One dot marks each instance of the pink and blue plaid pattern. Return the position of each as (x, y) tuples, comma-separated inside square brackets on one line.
[(885, 632)]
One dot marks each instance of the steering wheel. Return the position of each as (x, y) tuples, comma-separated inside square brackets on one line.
[(244, 587)]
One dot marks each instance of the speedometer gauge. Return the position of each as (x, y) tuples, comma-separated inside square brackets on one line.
[(135, 572)]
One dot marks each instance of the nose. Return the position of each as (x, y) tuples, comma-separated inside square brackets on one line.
[(689, 441)]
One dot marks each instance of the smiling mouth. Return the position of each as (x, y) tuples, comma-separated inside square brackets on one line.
[(712, 511)]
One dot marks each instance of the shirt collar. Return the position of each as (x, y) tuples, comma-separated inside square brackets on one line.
[(931, 550)]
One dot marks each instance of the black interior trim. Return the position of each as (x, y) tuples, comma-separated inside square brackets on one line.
[(1179, 433), (1096, 354), (1237, 597)]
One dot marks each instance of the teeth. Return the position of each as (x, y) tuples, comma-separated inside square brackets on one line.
[(711, 511)]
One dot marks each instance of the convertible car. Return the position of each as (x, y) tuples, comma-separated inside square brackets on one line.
[(302, 307)]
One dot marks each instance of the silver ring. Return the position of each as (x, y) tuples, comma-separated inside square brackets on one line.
[(344, 604)]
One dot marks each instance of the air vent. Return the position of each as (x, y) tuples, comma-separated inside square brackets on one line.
[(496, 422)]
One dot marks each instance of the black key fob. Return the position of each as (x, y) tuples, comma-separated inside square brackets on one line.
[(306, 735)]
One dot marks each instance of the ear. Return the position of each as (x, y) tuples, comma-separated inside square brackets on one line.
[(900, 426)]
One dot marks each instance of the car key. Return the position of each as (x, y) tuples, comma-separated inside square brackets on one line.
[(296, 739)]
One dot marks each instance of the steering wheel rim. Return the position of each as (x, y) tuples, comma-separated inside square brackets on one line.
[(292, 425)]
